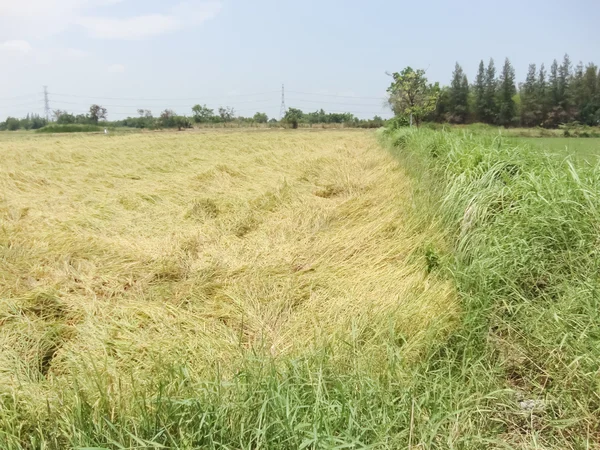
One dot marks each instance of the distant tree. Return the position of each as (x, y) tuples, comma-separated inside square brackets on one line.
[(37, 122), (442, 107), (541, 94), (167, 118), (564, 75), (97, 113), (410, 95), (182, 122), (293, 117), (202, 114), (531, 109), (145, 113), (12, 124), (559, 110), (273, 120), (479, 89), (506, 91), (63, 117), (590, 109), (490, 109), (554, 89), (458, 96), (260, 117), (227, 114)]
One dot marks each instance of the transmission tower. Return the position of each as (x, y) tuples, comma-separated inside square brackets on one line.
[(283, 109), (46, 103)]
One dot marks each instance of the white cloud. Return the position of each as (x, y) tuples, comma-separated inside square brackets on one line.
[(42, 18), (145, 26), (116, 68), (17, 46), (139, 27)]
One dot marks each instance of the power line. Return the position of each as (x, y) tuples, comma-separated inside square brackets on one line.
[(335, 95), (35, 94), (63, 102), (334, 103), (162, 99)]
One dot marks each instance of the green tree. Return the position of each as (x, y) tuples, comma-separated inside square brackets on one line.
[(227, 114), (167, 118), (559, 108), (410, 95), (554, 90), (541, 93), (506, 91), (293, 117), (590, 108), (564, 75), (12, 124), (261, 117), (479, 90), (97, 113), (458, 96), (531, 109), (202, 114), (490, 108)]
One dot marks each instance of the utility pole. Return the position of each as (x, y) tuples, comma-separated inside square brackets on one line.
[(282, 109), (46, 104)]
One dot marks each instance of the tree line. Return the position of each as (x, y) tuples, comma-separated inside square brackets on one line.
[(201, 114), (565, 94)]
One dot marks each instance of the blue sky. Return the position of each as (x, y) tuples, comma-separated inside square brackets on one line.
[(129, 54)]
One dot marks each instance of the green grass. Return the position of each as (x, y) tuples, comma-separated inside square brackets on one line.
[(583, 148), (523, 228)]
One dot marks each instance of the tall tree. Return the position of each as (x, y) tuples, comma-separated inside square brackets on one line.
[(479, 90), (564, 77), (590, 108), (490, 108), (458, 96), (541, 89), (530, 107), (553, 85), (410, 94), (97, 113), (506, 92)]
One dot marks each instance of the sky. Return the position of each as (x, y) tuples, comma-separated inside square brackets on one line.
[(330, 54)]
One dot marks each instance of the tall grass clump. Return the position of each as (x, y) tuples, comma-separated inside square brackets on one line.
[(524, 238)]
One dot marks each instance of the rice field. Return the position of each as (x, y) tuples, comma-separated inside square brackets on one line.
[(152, 269)]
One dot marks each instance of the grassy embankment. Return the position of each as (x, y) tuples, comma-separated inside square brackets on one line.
[(215, 290), (522, 225)]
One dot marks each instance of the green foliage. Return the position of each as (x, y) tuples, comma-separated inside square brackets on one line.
[(12, 124), (506, 91), (261, 117), (97, 113), (293, 117), (490, 108), (203, 114), (479, 88), (458, 97), (522, 225), (226, 114), (410, 94)]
